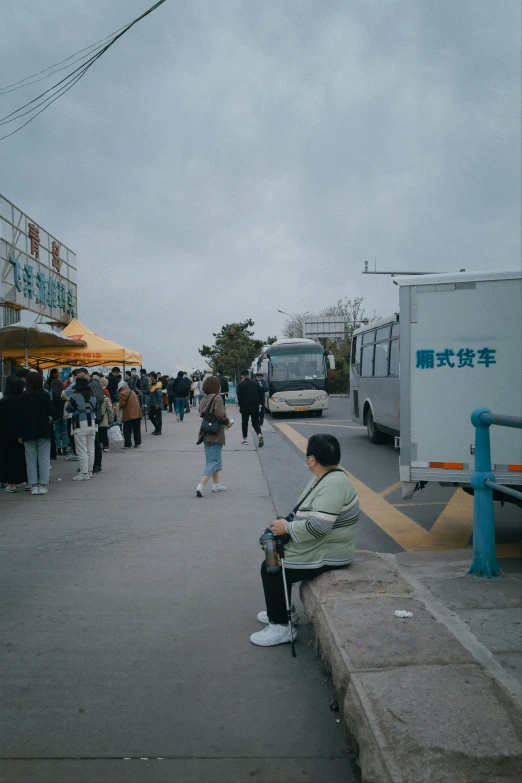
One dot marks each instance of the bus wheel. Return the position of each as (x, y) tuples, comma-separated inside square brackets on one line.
[(373, 433), (318, 413)]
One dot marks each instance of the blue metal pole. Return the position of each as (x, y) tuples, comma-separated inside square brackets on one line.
[(484, 550)]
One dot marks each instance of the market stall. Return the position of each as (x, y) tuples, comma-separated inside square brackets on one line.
[(81, 348)]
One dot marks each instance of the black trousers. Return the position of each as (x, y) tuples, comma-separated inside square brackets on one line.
[(253, 413), (133, 426), (72, 444), (104, 438), (275, 591), (172, 402), (156, 417), (261, 415), (97, 451)]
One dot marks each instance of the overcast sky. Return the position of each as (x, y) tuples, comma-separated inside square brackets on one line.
[(229, 158)]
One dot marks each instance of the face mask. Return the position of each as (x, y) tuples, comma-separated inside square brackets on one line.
[(307, 465)]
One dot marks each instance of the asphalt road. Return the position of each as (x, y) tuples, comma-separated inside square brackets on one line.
[(127, 606), (435, 518)]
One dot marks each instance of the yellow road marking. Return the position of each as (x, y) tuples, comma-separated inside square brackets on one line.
[(326, 423), (454, 526), (408, 505), (389, 490), (452, 530), (407, 533)]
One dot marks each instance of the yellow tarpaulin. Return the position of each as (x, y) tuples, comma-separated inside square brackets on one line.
[(98, 351)]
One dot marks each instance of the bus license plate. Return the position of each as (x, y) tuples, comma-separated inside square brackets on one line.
[(304, 408)]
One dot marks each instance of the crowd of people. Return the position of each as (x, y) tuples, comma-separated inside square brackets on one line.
[(43, 418)]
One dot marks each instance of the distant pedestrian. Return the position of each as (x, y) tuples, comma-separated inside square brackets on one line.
[(250, 397), (198, 391), (143, 388), (131, 415), (181, 389), (13, 467), (82, 406), (106, 420), (212, 406), (170, 393), (191, 394), (114, 379), (260, 378), (132, 380), (223, 385), (34, 431), (155, 403), (60, 422)]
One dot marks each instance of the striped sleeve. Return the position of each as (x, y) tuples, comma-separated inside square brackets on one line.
[(328, 504)]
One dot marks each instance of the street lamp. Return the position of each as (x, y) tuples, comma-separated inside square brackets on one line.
[(298, 318)]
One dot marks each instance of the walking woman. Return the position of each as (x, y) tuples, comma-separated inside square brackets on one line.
[(212, 406), (34, 431), (131, 415), (82, 405), (13, 469)]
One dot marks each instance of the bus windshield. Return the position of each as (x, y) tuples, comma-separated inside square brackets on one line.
[(297, 366)]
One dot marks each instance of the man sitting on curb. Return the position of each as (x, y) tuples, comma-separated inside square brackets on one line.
[(319, 535)]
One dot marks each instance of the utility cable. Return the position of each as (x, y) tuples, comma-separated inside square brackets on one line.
[(19, 85), (70, 80)]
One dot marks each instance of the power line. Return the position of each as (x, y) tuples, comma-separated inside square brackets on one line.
[(19, 85), (56, 91)]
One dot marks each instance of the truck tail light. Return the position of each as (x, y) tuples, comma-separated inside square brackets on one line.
[(448, 465), (515, 468)]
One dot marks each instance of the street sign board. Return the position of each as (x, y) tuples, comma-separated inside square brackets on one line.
[(319, 326), (37, 272)]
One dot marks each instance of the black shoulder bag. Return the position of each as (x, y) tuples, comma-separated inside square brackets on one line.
[(209, 423)]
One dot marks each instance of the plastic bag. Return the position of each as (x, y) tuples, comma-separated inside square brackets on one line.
[(114, 434)]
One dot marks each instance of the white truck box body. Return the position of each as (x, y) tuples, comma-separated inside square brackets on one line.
[(466, 313)]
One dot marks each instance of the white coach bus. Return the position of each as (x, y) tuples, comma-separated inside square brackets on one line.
[(297, 375), (374, 377)]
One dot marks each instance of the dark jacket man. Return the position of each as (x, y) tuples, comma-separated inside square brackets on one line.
[(181, 386), (112, 383), (249, 394)]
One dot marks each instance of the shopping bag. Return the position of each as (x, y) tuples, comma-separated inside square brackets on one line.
[(114, 434)]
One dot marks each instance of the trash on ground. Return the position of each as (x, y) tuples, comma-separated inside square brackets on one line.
[(359, 644), (403, 613)]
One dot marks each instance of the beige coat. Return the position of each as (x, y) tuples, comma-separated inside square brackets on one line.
[(218, 409), (129, 404)]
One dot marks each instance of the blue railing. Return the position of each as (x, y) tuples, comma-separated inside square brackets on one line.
[(483, 482)]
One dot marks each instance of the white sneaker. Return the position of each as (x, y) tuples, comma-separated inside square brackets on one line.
[(34, 491), (218, 488), (244, 442), (199, 491), (263, 616), (82, 477), (42, 490), (177, 417), (271, 635)]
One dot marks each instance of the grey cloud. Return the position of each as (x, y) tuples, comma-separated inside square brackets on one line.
[(229, 159)]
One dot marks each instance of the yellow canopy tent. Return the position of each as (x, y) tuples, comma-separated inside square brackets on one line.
[(96, 351)]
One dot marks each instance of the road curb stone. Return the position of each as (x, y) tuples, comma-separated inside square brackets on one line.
[(419, 706)]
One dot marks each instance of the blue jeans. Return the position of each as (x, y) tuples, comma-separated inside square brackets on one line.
[(60, 433), (38, 460), (180, 407)]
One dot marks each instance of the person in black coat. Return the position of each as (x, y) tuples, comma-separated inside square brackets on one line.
[(250, 397), (12, 453), (34, 431)]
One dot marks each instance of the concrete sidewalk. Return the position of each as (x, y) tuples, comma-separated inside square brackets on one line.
[(431, 698), (127, 606)]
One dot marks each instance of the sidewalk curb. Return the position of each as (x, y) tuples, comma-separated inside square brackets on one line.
[(418, 697)]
